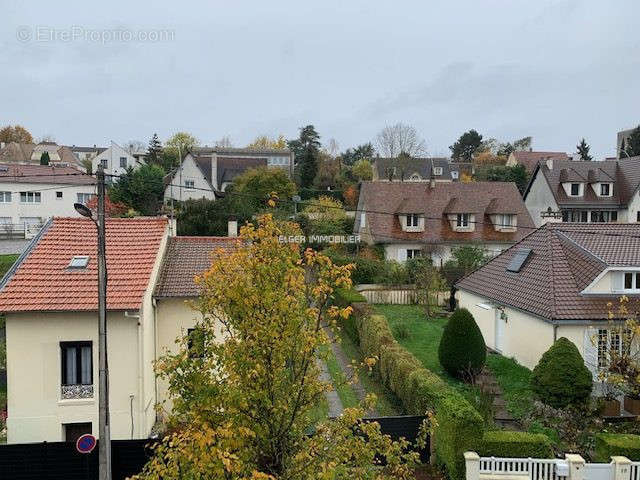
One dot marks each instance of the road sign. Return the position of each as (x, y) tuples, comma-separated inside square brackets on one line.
[(86, 443)]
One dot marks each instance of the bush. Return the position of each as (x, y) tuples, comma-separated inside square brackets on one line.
[(462, 349), (515, 445), (623, 444), (560, 378), (459, 425), (401, 331), (344, 297)]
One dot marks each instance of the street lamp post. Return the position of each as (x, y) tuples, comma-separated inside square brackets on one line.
[(104, 445)]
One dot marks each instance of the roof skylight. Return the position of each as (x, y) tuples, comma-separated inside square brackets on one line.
[(518, 260), (79, 261)]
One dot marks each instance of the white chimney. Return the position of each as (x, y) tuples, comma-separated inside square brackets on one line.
[(214, 171), (232, 228), (550, 163)]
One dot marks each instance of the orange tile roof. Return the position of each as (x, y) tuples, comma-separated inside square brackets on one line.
[(43, 281)]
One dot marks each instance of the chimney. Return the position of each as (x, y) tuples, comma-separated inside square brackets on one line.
[(232, 228), (550, 163), (214, 171), (432, 182)]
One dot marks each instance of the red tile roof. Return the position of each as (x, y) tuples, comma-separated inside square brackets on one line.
[(43, 281), (16, 173), (384, 201), (187, 257), (565, 258)]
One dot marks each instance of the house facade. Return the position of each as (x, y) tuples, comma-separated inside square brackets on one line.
[(29, 153), (557, 282), (417, 169), (205, 171), (115, 160), (49, 299), (31, 194), (586, 192), (530, 159), (415, 218)]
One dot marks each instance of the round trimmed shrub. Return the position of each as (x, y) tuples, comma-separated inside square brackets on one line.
[(462, 350), (560, 377)]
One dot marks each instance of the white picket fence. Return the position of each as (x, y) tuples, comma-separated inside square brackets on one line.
[(395, 294), (572, 467)]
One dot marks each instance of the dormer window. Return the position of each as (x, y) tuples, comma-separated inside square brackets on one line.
[(437, 170), (575, 189), (606, 190), (412, 220), (462, 220), (632, 281)]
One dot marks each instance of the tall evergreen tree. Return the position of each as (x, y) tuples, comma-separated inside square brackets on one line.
[(583, 150), (466, 146), (307, 150), (623, 150), (633, 143), (154, 151), (44, 158)]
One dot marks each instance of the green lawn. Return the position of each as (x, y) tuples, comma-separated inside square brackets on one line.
[(347, 396), (6, 261), (514, 379)]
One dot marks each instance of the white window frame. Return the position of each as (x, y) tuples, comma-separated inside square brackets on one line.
[(30, 197), (571, 194), (5, 197), (437, 171), (190, 184), (609, 187), (413, 220), (605, 340), (126, 163), (635, 282), (506, 220), (413, 253), (463, 220)]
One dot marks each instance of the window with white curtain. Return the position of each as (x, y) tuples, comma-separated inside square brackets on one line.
[(77, 363)]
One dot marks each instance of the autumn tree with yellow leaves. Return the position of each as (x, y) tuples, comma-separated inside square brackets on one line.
[(244, 391)]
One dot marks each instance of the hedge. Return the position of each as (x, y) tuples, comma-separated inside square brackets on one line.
[(458, 424), (343, 297), (515, 445), (623, 444)]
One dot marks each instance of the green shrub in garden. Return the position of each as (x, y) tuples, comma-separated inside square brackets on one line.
[(462, 350), (561, 377), (622, 444), (510, 444)]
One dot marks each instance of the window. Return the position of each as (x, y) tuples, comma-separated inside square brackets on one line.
[(84, 197), (104, 162), (412, 220), (437, 170), (189, 184), (575, 189), (195, 342), (5, 197), (603, 216), (454, 174), (29, 197), (79, 261), (575, 216), (631, 281), (415, 177), (638, 216), (462, 220), (413, 253), (73, 431), (505, 221), (609, 344), (605, 190), (123, 162), (602, 348), (58, 195), (77, 363)]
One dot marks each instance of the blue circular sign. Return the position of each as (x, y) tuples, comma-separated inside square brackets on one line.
[(86, 443)]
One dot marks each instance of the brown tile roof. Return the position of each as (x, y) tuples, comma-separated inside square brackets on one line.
[(530, 160), (382, 202), (43, 281), (566, 257), (49, 174), (17, 153), (624, 174), (187, 257)]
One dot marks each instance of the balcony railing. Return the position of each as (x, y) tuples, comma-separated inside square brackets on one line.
[(76, 391)]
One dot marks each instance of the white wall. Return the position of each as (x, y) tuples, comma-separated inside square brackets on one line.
[(49, 204), (188, 171), (440, 253), (112, 155), (539, 199)]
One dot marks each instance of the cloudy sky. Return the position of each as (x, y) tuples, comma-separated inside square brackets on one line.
[(89, 72)]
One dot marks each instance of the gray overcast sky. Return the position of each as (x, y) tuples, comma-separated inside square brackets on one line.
[(556, 70)]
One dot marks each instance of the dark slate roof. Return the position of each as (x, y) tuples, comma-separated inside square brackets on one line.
[(383, 201), (231, 167), (237, 151), (624, 174), (565, 258), (420, 166), (48, 174), (185, 258)]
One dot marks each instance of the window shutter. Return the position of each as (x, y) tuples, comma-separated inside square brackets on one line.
[(591, 351), (617, 281)]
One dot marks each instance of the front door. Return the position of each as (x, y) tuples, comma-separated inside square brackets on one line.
[(72, 431), (499, 330)]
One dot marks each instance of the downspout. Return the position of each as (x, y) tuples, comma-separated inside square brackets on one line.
[(555, 332), (154, 302), (140, 363)]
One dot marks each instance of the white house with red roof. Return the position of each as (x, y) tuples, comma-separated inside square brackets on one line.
[(49, 300), (31, 194)]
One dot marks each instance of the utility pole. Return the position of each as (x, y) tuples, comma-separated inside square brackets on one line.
[(103, 401)]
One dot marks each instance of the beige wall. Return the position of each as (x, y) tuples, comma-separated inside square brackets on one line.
[(35, 410), (525, 336), (539, 198)]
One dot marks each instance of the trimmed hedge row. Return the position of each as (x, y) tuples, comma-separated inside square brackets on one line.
[(610, 444), (508, 444), (459, 425), (344, 297)]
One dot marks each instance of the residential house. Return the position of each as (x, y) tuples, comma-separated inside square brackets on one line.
[(417, 169), (205, 171), (557, 282), (49, 300), (530, 159), (115, 160), (31, 194), (29, 153), (567, 191), (414, 218), (84, 154)]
